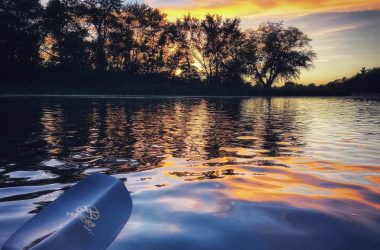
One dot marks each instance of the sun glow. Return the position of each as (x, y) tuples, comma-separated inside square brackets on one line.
[(245, 8)]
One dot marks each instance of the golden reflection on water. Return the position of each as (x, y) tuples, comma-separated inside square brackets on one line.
[(237, 163), (262, 161), (52, 120), (94, 127), (259, 150), (116, 122)]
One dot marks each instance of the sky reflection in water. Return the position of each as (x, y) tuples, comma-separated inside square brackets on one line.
[(255, 173)]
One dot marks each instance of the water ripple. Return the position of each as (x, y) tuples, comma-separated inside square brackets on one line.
[(245, 173)]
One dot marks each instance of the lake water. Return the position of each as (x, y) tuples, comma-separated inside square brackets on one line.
[(204, 173)]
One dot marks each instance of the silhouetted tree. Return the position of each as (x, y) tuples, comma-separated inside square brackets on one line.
[(214, 44), (139, 39), (100, 16), (122, 42), (274, 52), (365, 81), (182, 62), (362, 71), (20, 37), (65, 42), (224, 39), (83, 37), (147, 54)]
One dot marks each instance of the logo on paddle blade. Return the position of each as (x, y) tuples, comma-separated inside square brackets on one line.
[(87, 214)]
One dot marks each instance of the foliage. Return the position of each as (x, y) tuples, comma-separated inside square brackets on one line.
[(214, 44), (20, 37), (65, 45), (365, 81), (273, 53), (107, 46)]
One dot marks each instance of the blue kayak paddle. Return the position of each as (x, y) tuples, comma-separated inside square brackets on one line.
[(87, 216)]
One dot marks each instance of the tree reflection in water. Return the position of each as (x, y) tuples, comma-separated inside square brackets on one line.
[(216, 173)]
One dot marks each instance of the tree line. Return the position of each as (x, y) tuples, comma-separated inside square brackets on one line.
[(133, 39)]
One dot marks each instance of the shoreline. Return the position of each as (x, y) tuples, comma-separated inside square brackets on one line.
[(112, 96)]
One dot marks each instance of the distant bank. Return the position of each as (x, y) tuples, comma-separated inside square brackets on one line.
[(364, 83)]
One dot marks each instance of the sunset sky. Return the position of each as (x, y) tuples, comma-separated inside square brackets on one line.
[(346, 34)]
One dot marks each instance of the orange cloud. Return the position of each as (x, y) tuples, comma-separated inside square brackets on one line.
[(244, 8)]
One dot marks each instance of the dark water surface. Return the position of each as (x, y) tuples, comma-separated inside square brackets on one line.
[(222, 173)]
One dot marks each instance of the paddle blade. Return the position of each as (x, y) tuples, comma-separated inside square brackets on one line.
[(87, 216)]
